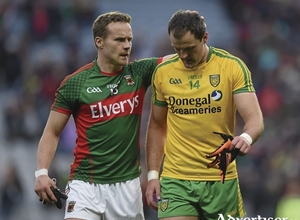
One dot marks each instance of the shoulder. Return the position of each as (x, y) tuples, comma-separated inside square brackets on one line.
[(169, 64), (80, 75), (142, 67), (224, 55), (143, 62)]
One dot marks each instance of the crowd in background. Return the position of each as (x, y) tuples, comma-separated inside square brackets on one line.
[(269, 42), (43, 41)]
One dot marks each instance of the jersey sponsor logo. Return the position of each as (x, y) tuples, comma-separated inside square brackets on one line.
[(199, 105), (101, 110), (93, 90), (216, 95), (175, 81), (214, 80)]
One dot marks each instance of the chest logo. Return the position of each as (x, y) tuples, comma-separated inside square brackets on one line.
[(93, 90), (214, 80), (129, 80), (175, 81)]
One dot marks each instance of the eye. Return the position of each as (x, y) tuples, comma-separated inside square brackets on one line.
[(188, 49)]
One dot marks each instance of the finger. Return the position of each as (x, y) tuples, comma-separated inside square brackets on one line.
[(42, 201), (243, 147), (157, 194), (154, 205), (52, 197), (244, 150), (48, 195), (149, 197)]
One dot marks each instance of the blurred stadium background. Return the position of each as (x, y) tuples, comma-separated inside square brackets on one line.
[(41, 41)]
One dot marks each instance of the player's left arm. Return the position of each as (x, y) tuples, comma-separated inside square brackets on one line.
[(249, 109)]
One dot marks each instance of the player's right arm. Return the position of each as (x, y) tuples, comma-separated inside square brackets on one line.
[(155, 141), (46, 151)]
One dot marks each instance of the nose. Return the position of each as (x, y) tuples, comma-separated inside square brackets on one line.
[(127, 44), (183, 54)]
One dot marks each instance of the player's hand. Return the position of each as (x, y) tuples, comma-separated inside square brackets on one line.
[(240, 143), (152, 191), (43, 190)]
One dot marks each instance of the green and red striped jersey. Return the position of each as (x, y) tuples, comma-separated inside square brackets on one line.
[(107, 111)]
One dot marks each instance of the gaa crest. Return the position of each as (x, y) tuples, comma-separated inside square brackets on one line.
[(129, 80), (214, 80), (164, 204)]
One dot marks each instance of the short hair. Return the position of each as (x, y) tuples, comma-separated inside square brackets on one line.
[(101, 22), (182, 22)]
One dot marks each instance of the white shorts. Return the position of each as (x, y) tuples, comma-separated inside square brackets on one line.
[(104, 201)]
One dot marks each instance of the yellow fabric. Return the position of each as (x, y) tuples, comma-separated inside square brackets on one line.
[(200, 101)]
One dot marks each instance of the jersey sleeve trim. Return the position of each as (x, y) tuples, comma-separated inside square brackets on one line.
[(242, 90), (160, 103), (62, 110)]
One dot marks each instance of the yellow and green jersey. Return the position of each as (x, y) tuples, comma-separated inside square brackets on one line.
[(107, 111), (200, 102)]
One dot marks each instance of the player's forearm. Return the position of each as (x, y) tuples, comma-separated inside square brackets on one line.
[(254, 126), (249, 109), (46, 150), (155, 141)]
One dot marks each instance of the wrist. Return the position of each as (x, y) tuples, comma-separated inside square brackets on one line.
[(152, 174), (41, 172), (247, 138)]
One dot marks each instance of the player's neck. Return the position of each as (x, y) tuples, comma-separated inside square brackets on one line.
[(107, 67), (205, 54)]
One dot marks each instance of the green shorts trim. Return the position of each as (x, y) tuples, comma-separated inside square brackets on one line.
[(207, 200)]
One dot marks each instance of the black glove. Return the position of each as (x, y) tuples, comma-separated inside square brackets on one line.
[(223, 155), (59, 195)]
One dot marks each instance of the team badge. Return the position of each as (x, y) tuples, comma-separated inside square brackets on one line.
[(129, 80), (164, 204), (71, 206), (214, 80)]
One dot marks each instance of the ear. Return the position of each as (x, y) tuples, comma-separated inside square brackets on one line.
[(98, 42), (205, 38)]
